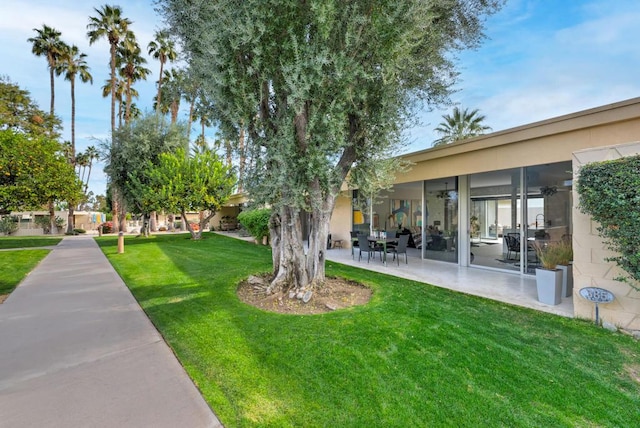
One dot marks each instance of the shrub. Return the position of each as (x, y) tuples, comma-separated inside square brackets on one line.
[(162, 229), (256, 222), (610, 193), (8, 224), (107, 227), (79, 231), (194, 226)]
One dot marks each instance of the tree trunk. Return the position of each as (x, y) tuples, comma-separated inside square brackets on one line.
[(53, 92), (52, 218), (295, 269), (114, 208), (70, 220)]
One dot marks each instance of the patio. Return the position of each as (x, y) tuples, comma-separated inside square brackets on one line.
[(502, 286)]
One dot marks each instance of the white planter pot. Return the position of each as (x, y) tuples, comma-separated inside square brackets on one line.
[(567, 280), (549, 285)]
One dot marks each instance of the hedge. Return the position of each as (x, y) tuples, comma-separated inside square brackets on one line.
[(610, 193)]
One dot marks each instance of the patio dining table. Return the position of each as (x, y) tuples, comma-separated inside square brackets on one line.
[(384, 242)]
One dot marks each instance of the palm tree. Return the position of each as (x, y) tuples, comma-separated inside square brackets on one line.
[(91, 153), (48, 44), (462, 124), (73, 63), (172, 92), (120, 94), (130, 61), (110, 24), (162, 49)]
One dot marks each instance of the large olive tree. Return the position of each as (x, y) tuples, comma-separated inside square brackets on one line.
[(319, 86)]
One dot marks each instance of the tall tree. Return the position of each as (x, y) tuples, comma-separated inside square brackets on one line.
[(72, 63), (130, 63), (110, 24), (320, 85), (141, 142), (172, 92), (163, 49), (460, 125), (48, 44)]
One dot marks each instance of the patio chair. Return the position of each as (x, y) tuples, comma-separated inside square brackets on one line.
[(354, 242), (513, 245), (401, 248), (363, 245)]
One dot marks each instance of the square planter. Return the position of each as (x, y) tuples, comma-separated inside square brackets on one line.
[(549, 285), (567, 280)]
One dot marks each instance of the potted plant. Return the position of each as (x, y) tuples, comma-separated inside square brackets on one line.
[(565, 250), (548, 276)]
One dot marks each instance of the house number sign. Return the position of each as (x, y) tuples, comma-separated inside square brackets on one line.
[(597, 295)]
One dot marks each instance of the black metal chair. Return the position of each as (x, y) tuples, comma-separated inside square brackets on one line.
[(513, 245), (354, 242), (401, 248), (363, 245)]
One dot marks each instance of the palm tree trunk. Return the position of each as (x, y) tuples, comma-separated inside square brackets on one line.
[(53, 92), (159, 97), (191, 108), (115, 193), (127, 112), (70, 217)]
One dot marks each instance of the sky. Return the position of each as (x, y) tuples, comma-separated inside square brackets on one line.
[(541, 59)]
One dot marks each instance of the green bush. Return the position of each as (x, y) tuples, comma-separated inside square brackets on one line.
[(79, 231), (610, 193), (8, 224), (256, 222)]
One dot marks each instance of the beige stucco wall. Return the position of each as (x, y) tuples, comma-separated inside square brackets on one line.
[(589, 252), (340, 225), (549, 141)]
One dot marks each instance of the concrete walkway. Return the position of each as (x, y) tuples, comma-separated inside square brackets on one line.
[(76, 350)]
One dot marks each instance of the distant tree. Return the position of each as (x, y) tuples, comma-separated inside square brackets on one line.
[(72, 63), (130, 62), (460, 125), (110, 24), (201, 182), (135, 146), (172, 92), (319, 86), (163, 49), (33, 172), (18, 112), (48, 44)]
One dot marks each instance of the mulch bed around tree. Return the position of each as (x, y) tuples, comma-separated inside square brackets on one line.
[(336, 293)]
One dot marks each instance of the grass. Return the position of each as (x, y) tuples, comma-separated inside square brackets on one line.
[(15, 265), (28, 241), (416, 355)]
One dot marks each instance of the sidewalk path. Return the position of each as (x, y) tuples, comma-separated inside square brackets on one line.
[(76, 350)]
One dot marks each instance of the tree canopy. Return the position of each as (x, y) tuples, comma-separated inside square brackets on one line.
[(182, 183), (461, 124), (19, 113), (319, 86), (33, 172), (134, 146)]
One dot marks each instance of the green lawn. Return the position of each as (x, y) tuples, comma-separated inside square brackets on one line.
[(28, 241), (417, 355), (15, 265)]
